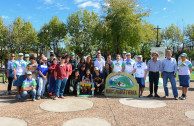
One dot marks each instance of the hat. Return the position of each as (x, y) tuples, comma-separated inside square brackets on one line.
[(27, 55), (155, 53), (72, 53), (52, 51), (124, 52), (139, 56), (96, 68), (21, 54), (128, 54), (29, 73), (184, 54), (44, 58)]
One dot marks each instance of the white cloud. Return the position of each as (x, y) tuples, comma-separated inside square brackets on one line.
[(62, 7), (164, 9), (89, 4), (48, 1), (79, 1), (169, 0), (5, 17)]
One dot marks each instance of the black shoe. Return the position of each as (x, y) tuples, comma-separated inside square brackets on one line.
[(157, 96), (150, 95)]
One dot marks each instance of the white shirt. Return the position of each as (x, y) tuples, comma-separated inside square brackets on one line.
[(20, 67), (183, 69), (100, 64), (140, 69), (129, 65), (117, 65)]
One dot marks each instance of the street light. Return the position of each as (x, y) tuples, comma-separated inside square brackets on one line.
[(43, 45), (157, 45)]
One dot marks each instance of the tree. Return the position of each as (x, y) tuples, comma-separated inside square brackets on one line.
[(81, 26)]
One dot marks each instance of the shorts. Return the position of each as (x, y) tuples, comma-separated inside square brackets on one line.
[(19, 81), (184, 80), (141, 82)]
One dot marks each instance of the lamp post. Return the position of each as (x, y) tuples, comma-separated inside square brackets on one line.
[(43, 44), (157, 44)]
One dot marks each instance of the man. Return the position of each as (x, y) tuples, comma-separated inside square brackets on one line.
[(109, 61), (124, 57), (98, 80), (27, 59), (169, 70), (43, 73), (118, 65), (129, 64), (50, 60), (73, 61), (19, 74), (61, 74), (10, 73), (154, 66), (29, 87), (100, 63), (59, 56), (70, 72), (96, 57), (140, 70)]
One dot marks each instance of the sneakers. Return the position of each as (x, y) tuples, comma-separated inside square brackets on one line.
[(157, 96), (55, 98), (50, 94), (62, 97), (176, 98), (33, 99), (150, 95), (165, 97), (183, 97), (38, 97)]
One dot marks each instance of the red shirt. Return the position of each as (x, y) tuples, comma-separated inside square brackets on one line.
[(69, 68), (61, 71), (52, 69)]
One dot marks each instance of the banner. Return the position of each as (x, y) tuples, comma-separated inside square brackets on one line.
[(85, 89), (121, 85)]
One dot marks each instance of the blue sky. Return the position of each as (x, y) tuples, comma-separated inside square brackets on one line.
[(38, 12)]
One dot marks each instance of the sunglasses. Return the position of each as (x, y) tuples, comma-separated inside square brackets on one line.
[(12, 56)]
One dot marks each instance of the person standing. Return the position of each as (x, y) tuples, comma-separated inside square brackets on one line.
[(62, 73), (169, 70), (154, 66), (43, 72), (124, 57), (73, 61), (96, 57), (10, 73), (27, 58), (184, 72), (33, 67), (129, 64), (19, 74), (118, 65), (109, 61), (140, 70), (90, 64), (100, 63)]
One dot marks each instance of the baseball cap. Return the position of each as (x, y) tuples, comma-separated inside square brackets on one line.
[(20, 54), (96, 68), (72, 53), (27, 55), (128, 54), (29, 73), (139, 56), (184, 54), (44, 58), (51, 51), (124, 52)]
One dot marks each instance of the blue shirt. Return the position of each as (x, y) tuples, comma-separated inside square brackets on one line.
[(154, 66), (10, 67), (43, 68), (169, 65)]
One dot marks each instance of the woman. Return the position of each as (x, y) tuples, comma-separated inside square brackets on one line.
[(90, 64), (82, 62), (184, 72), (75, 79)]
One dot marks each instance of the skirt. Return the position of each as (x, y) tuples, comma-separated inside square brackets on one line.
[(19, 81), (184, 80)]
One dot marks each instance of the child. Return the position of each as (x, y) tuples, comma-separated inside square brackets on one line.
[(52, 82), (29, 87), (140, 70), (98, 80), (87, 77), (82, 70), (61, 74), (184, 72), (73, 82), (106, 70), (43, 72)]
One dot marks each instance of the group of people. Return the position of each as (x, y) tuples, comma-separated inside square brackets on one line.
[(64, 72)]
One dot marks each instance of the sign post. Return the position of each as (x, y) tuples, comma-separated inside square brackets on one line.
[(121, 85)]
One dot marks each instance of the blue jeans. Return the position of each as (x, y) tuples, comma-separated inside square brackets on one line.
[(32, 92), (60, 86), (52, 85), (172, 81)]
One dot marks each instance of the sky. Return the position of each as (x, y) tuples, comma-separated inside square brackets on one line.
[(39, 12)]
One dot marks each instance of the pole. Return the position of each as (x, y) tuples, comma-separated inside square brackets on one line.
[(157, 44)]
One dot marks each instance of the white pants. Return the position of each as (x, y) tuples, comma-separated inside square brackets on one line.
[(41, 88)]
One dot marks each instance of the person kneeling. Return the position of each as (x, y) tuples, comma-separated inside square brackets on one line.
[(29, 87)]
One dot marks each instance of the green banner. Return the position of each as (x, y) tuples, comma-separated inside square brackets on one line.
[(121, 85)]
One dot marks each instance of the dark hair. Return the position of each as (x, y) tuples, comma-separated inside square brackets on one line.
[(90, 76), (109, 67), (78, 75), (52, 55), (59, 55), (32, 58), (83, 65), (82, 59), (67, 56), (63, 57)]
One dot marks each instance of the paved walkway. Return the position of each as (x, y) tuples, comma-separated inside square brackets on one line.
[(104, 111)]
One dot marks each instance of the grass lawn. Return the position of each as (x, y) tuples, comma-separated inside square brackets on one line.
[(192, 76)]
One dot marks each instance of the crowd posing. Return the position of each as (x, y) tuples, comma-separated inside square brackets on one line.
[(62, 73)]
